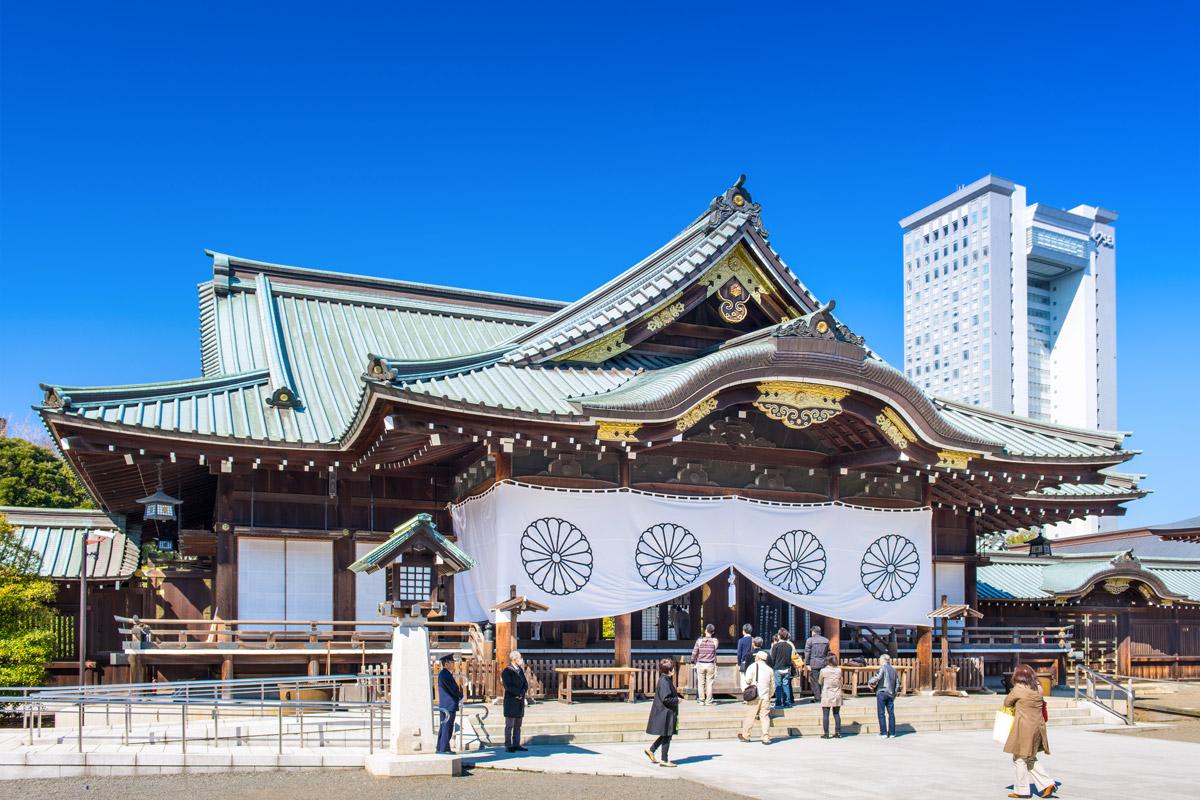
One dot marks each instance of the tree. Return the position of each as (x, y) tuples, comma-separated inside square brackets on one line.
[(26, 615), (33, 476)]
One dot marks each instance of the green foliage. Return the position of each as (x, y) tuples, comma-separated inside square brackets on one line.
[(33, 476), (26, 616)]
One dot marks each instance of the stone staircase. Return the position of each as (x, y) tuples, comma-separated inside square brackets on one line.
[(608, 722)]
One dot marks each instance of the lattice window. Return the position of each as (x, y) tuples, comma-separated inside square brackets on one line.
[(415, 582), (650, 623)]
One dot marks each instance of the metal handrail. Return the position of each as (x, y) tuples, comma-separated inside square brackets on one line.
[(1090, 694), (203, 699)]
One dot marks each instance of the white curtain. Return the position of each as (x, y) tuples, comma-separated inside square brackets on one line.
[(597, 553), (285, 579)]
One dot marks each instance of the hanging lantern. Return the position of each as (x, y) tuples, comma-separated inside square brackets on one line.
[(160, 506), (1040, 546)]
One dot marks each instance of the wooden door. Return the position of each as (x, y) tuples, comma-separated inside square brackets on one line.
[(1096, 636)]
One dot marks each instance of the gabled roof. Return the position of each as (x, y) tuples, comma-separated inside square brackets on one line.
[(54, 534), (419, 526), (655, 282)]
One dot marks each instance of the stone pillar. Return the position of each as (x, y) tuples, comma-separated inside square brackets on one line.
[(411, 717), (623, 641), (924, 658)]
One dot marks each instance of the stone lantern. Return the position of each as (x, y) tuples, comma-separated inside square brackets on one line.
[(417, 557)]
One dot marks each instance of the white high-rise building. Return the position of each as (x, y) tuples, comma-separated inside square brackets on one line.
[(1012, 306)]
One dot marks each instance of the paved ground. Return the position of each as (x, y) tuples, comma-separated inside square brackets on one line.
[(934, 766), (356, 784)]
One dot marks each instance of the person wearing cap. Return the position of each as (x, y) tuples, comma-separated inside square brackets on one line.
[(759, 675), (449, 697)]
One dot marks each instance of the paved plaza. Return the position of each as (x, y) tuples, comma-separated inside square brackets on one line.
[(949, 764)]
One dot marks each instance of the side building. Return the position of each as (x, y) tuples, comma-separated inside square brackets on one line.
[(1012, 306)]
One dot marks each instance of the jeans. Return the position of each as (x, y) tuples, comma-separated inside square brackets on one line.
[(837, 719), (665, 743), (886, 704), (783, 687)]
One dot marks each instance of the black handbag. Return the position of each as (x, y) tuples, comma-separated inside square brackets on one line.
[(750, 693)]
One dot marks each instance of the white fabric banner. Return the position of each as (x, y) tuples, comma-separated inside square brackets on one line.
[(592, 553)]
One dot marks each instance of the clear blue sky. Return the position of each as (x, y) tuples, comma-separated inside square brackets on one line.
[(541, 151)]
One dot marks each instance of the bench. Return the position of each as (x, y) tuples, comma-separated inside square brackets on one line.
[(861, 676), (567, 675)]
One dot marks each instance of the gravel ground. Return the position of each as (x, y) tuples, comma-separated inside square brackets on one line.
[(356, 784)]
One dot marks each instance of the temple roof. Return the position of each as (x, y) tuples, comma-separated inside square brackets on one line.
[(53, 535), (297, 357), (1011, 576)]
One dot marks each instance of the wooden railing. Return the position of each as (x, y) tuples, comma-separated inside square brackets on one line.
[(997, 638), (644, 682), (291, 634)]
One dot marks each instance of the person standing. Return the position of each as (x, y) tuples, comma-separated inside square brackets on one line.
[(704, 656), (885, 682), (816, 654), (516, 686), (762, 678), (664, 714), (830, 683), (449, 698), (745, 652), (1028, 737), (781, 661)]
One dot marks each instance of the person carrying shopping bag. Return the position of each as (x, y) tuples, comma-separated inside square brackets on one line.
[(1028, 737), (758, 683)]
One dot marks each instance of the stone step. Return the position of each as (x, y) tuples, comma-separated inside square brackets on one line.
[(776, 731)]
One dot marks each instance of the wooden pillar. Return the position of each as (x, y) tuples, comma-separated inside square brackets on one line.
[(225, 588), (227, 672), (1124, 644), (623, 640), (344, 599), (833, 632), (924, 658), (503, 465), (136, 670), (314, 666)]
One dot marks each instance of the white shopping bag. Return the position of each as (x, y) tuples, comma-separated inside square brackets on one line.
[(1002, 725)]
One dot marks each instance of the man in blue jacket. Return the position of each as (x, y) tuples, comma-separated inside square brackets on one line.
[(449, 697), (745, 648)]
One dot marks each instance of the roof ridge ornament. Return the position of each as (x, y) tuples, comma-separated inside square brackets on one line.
[(819, 324), (736, 198)]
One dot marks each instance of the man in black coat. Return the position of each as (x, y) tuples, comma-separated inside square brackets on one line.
[(516, 685), (449, 697), (816, 656)]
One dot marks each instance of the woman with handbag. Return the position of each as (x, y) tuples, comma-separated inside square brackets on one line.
[(1028, 737), (757, 685), (664, 714)]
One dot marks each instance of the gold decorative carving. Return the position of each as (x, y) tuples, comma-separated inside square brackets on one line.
[(665, 317), (604, 348), (617, 431), (894, 427), (696, 413), (954, 459), (1116, 585), (799, 405), (737, 264)]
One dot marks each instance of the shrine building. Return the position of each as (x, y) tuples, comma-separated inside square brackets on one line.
[(698, 440)]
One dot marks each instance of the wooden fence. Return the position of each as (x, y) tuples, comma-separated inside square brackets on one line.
[(645, 681)]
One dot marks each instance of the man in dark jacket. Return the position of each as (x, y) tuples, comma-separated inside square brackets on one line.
[(515, 687), (449, 696), (816, 656), (745, 652)]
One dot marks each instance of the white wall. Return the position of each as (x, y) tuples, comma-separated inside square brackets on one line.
[(949, 580), (369, 590)]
